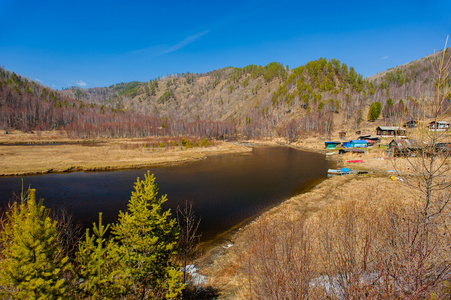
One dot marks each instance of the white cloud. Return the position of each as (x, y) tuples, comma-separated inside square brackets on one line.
[(185, 42), (80, 82), (39, 80), (157, 50), (385, 57)]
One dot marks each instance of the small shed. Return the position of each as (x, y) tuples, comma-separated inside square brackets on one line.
[(369, 138), (371, 142), (332, 145), (438, 126), (359, 144), (387, 131), (344, 151), (406, 147), (443, 148), (410, 124)]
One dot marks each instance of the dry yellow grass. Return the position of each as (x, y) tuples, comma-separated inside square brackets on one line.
[(92, 156), (223, 266)]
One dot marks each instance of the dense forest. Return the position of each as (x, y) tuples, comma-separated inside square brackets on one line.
[(254, 101)]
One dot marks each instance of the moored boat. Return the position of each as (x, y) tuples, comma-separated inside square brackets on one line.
[(342, 171)]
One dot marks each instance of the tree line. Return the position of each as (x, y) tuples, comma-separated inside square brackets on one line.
[(28, 106)]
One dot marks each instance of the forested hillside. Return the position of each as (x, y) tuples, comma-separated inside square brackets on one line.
[(259, 100), (29, 106), (254, 101), (399, 89)]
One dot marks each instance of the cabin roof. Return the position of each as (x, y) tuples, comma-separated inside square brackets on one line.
[(407, 143), (391, 128), (329, 142), (359, 142)]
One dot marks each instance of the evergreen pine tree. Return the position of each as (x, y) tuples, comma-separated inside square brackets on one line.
[(375, 111), (32, 261), (98, 273), (147, 241)]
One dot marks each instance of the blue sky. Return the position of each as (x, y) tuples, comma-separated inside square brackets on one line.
[(99, 43)]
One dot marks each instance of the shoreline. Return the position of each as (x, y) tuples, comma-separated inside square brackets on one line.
[(24, 156), (220, 261), (112, 168), (220, 255)]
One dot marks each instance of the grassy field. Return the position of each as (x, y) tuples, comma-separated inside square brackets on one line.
[(26, 154)]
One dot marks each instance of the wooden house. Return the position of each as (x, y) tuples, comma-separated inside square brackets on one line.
[(410, 124), (359, 144), (344, 151), (332, 145), (406, 147), (443, 148), (438, 126), (387, 131), (368, 137)]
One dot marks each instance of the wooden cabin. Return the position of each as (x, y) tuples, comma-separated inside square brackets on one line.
[(438, 126), (410, 124), (332, 145), (359, 144), (344, 151), (387, 131), (405, 147), (368, 137)]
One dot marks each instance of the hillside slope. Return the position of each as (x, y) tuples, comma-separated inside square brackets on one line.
[(272, 100)]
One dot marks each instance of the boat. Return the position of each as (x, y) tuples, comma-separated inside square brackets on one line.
[(342, 171)]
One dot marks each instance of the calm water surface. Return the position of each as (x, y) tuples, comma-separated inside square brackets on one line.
[(225, 190)]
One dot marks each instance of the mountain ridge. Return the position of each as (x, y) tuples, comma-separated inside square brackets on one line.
[(269, 100)]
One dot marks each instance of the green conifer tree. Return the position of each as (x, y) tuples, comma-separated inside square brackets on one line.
[(147, 239), (32, 260), (375, 111), (97, 261)]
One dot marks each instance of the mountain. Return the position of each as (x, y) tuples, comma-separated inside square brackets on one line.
[(269, 100), (259, 100)]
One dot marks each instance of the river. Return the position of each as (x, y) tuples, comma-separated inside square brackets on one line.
[(226, 190)]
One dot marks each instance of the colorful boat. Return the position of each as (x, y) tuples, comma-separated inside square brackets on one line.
[(342, 171)]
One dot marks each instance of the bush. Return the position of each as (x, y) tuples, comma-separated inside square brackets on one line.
[(205, 143)]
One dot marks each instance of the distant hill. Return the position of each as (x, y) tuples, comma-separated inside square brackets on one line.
[(259, 100), (269, 100), (410, 81)]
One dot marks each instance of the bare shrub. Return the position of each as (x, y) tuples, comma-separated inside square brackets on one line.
[(371, 246), (278, 264)]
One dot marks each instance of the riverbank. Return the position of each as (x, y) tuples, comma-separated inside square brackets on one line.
[(223, 264), (51, 152)]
